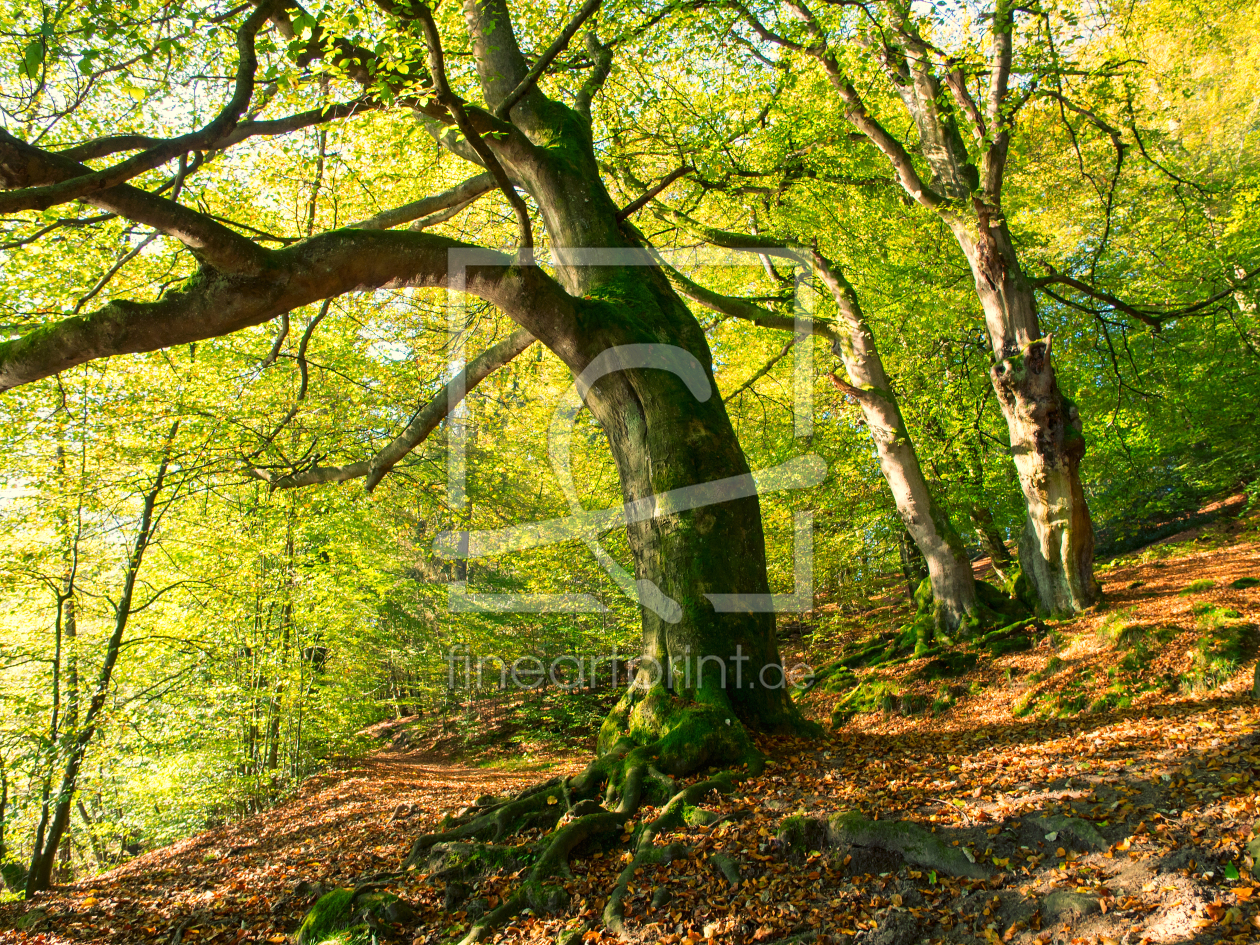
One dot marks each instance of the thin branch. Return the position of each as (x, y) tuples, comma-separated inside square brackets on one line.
[(41, 197), (455, 105), (545, 60), (457, 196), (762, 372), (423, 423), (639, 203), (1149, 315)]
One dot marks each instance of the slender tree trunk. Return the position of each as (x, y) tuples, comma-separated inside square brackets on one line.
[(991, 540), (913, 568), (39, 876), (953, 584), (1056, 552), (89, 827)]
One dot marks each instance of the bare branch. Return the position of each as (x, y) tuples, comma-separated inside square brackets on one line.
[(602, 57), (504, 108), (102, 147), (424, 422), (23, 163), (457, 196), (212, 303), (761, 372), (455, 105), (640, 202), (1149, 315)]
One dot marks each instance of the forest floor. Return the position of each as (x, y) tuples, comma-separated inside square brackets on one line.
[(1136, 722)]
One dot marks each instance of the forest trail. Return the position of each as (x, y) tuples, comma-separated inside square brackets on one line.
[(1158, 788)]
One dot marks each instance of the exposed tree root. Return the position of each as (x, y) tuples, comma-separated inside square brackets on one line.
[(649, 739), (646, 853)]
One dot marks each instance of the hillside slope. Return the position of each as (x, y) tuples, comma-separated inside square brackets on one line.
[(1101, 787)]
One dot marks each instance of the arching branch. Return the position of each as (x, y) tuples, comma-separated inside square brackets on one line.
[(458, 196), (212, 304), (23, 164)]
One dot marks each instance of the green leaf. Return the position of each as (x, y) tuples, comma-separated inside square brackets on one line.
[(32, 58), (1231, 871)]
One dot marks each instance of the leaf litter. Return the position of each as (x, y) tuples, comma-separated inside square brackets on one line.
[(1095, 820)]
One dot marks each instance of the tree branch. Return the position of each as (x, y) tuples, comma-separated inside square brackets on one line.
[(504, 108), (102, 147), (49, 195), (761, 372), (212, 304), (424, 422), (457, 196), (455, 105), (22, 163), (1148, 315), (640, 202), (602, 57)]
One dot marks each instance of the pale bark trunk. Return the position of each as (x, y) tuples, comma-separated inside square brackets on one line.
[(953, 584), (1057, 547)]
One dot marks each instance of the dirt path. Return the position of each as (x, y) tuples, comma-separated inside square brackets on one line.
[(339, 826)]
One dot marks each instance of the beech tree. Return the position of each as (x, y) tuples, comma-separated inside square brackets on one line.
[(665, 429), (962, 103)]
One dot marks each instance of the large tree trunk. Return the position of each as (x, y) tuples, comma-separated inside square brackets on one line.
[(1056, 552), (654, 394)]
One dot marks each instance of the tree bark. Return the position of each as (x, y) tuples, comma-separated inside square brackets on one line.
[(1056, 551), (991, 539), (913, 566), (667, 430), (953, 583)]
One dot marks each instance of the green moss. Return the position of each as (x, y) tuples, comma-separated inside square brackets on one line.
[(341, 917), (872, 695), (1197, 587), (1219, 654), (1053, 665), (947, 665), (943, 702), (329, 919), (1245, 582), (1025, 704), (679, 735)]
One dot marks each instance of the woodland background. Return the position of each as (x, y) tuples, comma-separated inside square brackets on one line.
[(268, 629)]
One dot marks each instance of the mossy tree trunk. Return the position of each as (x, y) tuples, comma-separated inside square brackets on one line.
[(668, 430)]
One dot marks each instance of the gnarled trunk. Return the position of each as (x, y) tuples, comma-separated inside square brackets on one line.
[(645, 372), (1056, 552)]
